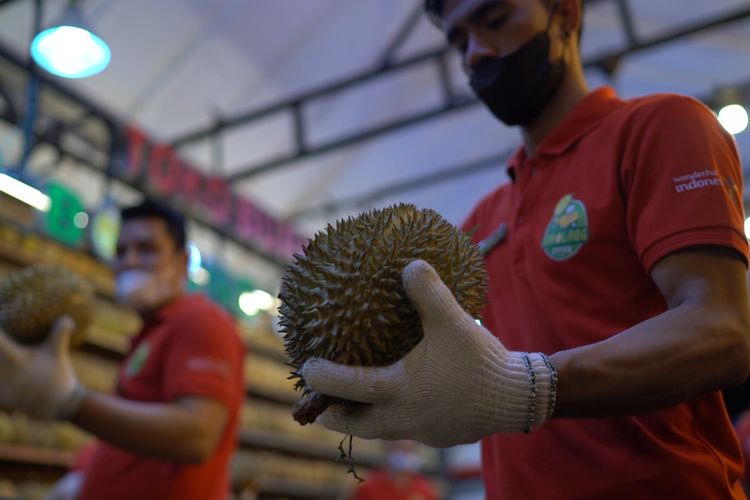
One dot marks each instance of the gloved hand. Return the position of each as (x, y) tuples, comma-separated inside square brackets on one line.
[(39, 381), (456, 386)]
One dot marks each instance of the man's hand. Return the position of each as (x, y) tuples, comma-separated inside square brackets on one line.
[(456, 386), (38, 381)]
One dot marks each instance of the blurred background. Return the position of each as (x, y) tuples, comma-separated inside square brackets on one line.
[(263, 120)]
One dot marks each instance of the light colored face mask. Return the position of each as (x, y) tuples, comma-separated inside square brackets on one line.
[(143, 290), (399, 461)]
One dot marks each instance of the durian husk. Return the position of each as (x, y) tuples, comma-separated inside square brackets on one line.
[(33, 298), (343, 299)]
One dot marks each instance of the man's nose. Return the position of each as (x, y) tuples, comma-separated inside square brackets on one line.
[(128, 258), (477, 50)]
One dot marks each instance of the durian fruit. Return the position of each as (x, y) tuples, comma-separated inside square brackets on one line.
[(343, 299), (31, 299)]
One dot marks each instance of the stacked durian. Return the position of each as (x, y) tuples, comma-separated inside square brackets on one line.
[(32, 298), (343, 299)]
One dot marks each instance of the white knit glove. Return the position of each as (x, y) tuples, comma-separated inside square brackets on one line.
[(39, 381), (456, 386)]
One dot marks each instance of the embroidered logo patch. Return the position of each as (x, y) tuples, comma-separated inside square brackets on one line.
[(567, 231), (138, 360)]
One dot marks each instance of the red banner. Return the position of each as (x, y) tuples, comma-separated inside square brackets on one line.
[(163, 173)]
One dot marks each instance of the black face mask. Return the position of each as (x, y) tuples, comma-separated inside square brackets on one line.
[(517, 87)]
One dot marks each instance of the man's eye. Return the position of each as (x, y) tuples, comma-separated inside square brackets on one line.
[(496, 22), (458, 42)]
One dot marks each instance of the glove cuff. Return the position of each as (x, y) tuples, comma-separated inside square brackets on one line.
[(525, 390), (542, 378), (69, 406)]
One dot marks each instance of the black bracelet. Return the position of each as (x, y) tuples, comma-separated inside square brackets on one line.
[(69, 406), (552, 385), (532, 394)]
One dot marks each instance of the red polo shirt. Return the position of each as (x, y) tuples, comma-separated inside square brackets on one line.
[(191, 348), (614, 188), (380, 485)]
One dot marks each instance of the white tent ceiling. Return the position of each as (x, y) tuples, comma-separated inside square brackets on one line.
[(179, 65)]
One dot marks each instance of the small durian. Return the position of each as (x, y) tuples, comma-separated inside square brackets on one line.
[(343, 299), (31, 299)]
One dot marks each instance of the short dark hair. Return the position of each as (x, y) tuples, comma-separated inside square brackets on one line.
[(434, 9), (152, 209)]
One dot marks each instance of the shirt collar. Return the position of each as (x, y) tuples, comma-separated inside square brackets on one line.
[(583, 118), (170, 309)]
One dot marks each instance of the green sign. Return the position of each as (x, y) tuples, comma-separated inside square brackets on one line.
[(221, 286), (66, 220)]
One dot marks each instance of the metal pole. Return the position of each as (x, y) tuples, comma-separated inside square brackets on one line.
[(32, 96)]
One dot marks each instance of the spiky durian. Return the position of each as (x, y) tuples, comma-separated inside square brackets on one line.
[(343, 299), (31, 299)]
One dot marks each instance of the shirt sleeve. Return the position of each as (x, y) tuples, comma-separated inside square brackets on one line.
[(682, 181), (205, 358)]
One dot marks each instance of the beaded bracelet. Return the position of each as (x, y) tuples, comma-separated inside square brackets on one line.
[(532, 394), (69, 406), (552, 385)]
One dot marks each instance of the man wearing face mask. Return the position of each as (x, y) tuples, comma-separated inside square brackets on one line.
[(170, 429), (617, 302)]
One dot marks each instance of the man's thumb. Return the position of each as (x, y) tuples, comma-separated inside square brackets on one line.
[(59, 338), (431, 298)]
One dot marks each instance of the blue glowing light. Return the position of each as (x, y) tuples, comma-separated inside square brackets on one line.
[(70, 52)]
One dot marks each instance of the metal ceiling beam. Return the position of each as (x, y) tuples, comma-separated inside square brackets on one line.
[(10, 113), (32, 94), (406, 29), (309, 152), (181, 56), (114, 125), (193, 215), (288, 104), (421, 182), (717, 99), (9, 55), (720, 97), (608, 62), (626, 17)]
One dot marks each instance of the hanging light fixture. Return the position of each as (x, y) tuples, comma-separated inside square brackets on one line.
[(69, 48)]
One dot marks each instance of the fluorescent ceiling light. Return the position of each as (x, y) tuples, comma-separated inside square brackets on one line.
[(25, 193)]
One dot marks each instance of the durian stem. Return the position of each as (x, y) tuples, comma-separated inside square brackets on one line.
[(312, 404), (307, 409)]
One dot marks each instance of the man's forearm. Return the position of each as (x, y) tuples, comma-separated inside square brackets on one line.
[(159, 430), (668, 359)]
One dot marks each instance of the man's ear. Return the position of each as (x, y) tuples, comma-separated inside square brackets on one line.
[(184, 257), (571, 13)]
